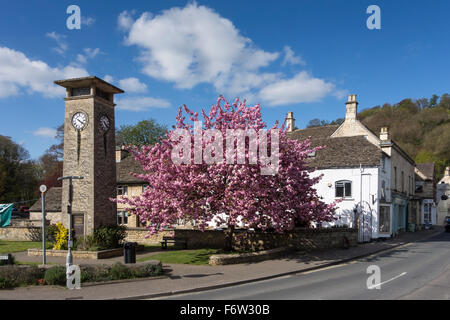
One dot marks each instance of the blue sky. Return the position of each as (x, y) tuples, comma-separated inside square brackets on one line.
[(302, 56)]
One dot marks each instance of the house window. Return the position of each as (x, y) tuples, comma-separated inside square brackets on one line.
[(385, 219), (343, 189), (312, 154), (122, 217), (144, 187), (122, 190)]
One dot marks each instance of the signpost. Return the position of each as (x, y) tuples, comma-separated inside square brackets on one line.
[(69, 212), (43, 189)]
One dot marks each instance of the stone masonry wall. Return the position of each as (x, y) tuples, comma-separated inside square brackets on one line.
[(301, 239), (19, 233)]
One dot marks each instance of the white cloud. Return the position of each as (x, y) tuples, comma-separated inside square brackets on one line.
[(87, 20), (197, 46), (45, 132), (125, 20), (132, 85), (289, 57), (194, 44), (18, 73), (301, 88), (88, 54), (141, 103), (108, 78), (59, 38)]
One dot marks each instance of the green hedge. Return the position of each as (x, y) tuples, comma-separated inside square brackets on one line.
[(21, 275)]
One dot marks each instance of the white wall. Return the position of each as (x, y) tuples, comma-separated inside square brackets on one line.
[(370, 192)]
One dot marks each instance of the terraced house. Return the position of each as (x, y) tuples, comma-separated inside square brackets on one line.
[(371, 175)]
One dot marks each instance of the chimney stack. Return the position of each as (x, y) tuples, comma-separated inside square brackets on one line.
[(121, 153), (290, 122), (384, 134), (351, 108)]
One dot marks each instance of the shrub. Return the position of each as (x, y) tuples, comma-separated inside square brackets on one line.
[(16, 275), (35, 234), (56, 276), (62, 235), (148, 270), (104, 237), (120, 271), (6, 283), (94, 273)]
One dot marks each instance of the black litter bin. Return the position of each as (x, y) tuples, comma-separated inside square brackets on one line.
[(129, 252)]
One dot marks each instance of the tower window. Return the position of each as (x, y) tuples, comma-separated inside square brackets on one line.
[(102, 94), (81, 91)]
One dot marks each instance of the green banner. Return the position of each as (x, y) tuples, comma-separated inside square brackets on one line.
[(5, 214)]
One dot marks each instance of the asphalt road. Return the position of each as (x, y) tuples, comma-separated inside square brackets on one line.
[(419, 270)]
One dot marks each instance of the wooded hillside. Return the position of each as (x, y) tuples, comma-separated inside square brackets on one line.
[(421, 127)]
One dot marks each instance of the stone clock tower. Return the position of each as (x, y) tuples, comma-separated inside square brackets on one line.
[(89, 151)]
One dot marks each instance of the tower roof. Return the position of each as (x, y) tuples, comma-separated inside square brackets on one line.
[(87, 82)]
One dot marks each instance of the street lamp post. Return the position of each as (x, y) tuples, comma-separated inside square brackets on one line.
[(69, 212), (43, 189)]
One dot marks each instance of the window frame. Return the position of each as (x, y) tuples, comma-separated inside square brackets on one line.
[(344, 183), (124, 189)]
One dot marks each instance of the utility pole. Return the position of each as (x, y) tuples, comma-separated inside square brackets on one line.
[(69, 212)]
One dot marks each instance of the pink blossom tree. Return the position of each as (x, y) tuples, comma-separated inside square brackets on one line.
[(223, 192)]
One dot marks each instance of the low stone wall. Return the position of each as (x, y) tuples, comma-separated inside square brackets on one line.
[(301, 239), (243, 240), (19, 233), (138, 235), (214, 239)]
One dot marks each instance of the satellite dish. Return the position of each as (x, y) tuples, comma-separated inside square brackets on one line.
[(43, 188)]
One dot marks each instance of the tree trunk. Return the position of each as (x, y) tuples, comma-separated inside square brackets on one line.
[(229, 238)]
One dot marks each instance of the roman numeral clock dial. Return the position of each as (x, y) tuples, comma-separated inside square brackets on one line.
[(79, 121)]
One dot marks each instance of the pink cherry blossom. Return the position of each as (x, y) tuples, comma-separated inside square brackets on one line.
[(227, 193)]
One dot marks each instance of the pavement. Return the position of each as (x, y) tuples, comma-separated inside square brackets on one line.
[(182, 279)]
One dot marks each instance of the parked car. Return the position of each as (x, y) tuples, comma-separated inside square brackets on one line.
[(447, 223)]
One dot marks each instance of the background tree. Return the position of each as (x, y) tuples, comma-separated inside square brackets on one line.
[(145, 132), (51, 162), (227, 193), (18, 174)]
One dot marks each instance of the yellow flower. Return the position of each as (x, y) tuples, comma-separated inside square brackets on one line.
[(62, 235)]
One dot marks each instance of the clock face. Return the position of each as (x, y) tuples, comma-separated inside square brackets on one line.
[(104, 123), (79, 120)]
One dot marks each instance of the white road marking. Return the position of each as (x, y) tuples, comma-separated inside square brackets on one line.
[(379, 284)]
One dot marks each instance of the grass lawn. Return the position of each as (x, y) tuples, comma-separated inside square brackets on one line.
[(17, 246), (197, 257)]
